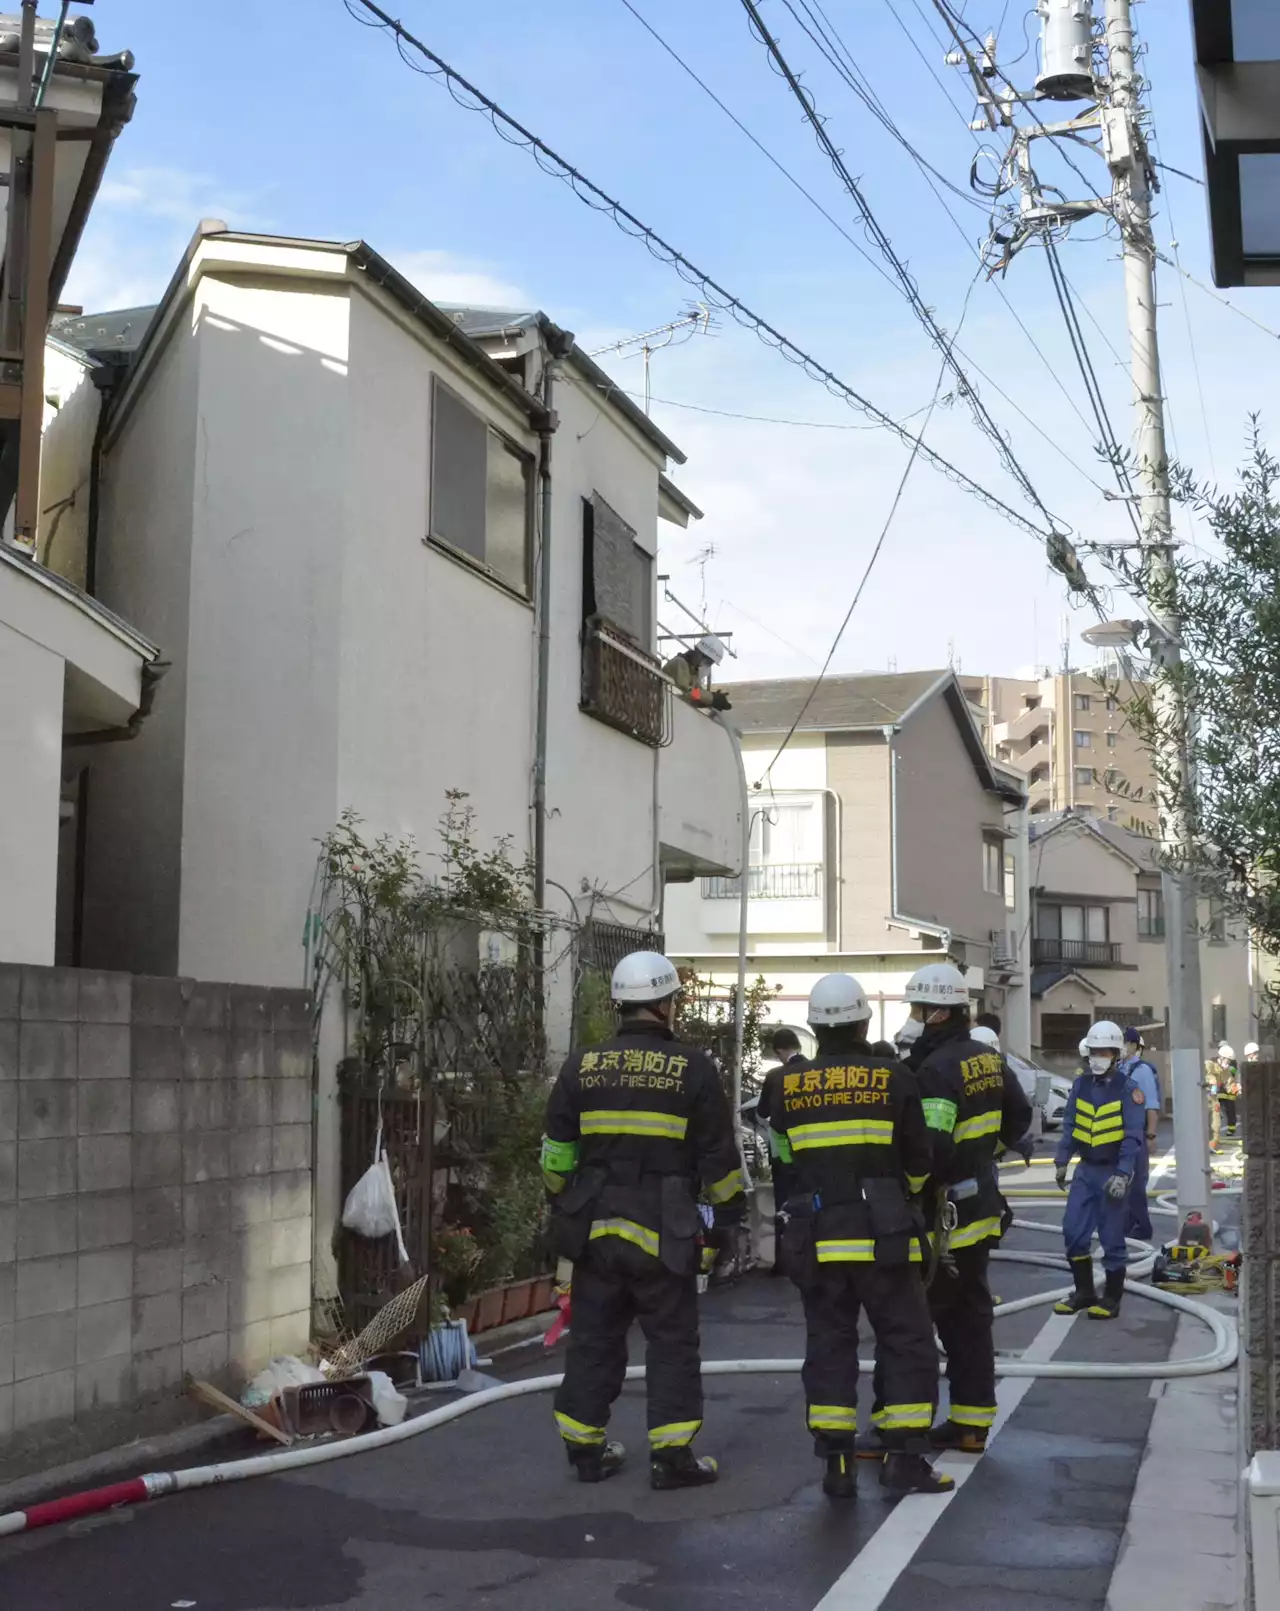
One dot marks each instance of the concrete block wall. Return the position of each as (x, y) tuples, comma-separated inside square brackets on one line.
[(155, 1187), (1260, 1276)]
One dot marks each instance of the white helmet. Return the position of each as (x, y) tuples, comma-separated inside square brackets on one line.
[(938, 984), (1252, 1049), (1084, 1048), (711, 649), (1104, 1036), (837, 998), (1224, 1051), (644, 976), (988, 1037)]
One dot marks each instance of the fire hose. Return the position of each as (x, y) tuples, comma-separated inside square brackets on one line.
[(1221, 1356)]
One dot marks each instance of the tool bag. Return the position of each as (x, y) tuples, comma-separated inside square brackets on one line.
[(798, 1239), (572, 1212), (681, 1226), (893, 1224)]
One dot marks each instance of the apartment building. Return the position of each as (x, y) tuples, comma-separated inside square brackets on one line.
[(1068, 732), (883, 836), (1098, 946)]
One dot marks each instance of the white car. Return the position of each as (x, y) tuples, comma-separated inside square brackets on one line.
[(1029, 1077)]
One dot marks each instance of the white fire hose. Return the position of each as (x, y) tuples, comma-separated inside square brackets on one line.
[(1220, 1357)]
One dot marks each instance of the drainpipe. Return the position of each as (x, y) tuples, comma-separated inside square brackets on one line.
[(106, 378), (559, 346), (739, 1005), (838, 804)]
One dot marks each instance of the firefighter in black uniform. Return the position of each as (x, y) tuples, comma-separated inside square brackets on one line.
[(634, 1129), (853, 1126), (974, 1108)]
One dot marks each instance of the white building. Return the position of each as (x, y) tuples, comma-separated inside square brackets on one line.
[(326, 499), (883, 837)]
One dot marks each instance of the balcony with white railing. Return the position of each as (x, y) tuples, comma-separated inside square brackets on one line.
[(774, 881)]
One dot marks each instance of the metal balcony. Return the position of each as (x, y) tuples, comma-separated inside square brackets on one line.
[(624, 687), (1077, 953), (772, 881)]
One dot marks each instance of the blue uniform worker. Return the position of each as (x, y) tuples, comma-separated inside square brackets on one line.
[(1143, 1074), (1104, 1123)]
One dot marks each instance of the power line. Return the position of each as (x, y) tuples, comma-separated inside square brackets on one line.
[(847, 68), (865, 578), (600, 201), (759, 144), (1218, 296), (760, 419), (925, 315)]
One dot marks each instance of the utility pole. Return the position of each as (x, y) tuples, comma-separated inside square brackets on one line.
[(1124, 145), (1068, 73)]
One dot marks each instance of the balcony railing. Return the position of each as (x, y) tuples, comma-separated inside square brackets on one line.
[(772, 881), (1082, 953), (623, 687)]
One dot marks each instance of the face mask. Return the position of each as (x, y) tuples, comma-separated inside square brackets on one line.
[(1099, 1065), (910, 1032)]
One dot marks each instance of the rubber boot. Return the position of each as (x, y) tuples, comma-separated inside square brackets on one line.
[(840, 1480), (959, 1439), (1108, 1306), (681, 1468), (596, 1461), (1085, 1294), (906, 1471)]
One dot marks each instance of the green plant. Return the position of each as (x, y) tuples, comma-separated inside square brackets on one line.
[(595, 1020), (706, 1018)]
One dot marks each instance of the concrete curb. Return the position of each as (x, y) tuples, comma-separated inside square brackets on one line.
[(159, 1453), (164, 1451)]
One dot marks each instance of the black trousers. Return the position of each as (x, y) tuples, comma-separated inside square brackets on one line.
[(906, 1359), (961, 1306), (1227, 1107), (615, 1283)]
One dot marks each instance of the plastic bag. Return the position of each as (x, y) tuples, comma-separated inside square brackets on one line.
[(286, 1371), (370, 1208), (388, 1403)]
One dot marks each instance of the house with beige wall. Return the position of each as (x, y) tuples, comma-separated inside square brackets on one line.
[(1069, 732), (883, 836), (1098, 942), (330, 500)]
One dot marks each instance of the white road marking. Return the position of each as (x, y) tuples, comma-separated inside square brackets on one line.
[(866, 1581)]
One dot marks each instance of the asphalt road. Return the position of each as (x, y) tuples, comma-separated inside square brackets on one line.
[(482, 1513)]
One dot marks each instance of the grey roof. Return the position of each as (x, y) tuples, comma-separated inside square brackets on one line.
[(866, 702), (1135, 847), (121, 330), (1044, 979), (479, 323), (841, 704)]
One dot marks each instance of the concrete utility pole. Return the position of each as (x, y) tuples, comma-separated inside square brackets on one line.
[(1067, 73), (1124, 146)]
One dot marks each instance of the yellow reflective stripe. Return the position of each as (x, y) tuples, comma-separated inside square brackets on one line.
[(904, 1417), (858, 1250), (629, 1231), (632, 1122), (916, 1183), (847, 1250), (843, 1133), (985, 1124), (1102, 1137), (833, 1418), (577, 1431), (731, 1185), (1107, 1107), (978, 1231), (973, 1414), (1084, 1107), (1082, 1135), (675, 1435)]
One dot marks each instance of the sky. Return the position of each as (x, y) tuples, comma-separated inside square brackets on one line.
[(305, 122)]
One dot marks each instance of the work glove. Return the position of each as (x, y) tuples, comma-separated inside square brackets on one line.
[(707, 1259), (1025, 1149), (1060, 1175), (1117, 1188)]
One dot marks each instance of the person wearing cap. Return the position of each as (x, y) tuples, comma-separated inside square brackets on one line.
[(973, 1105), (1143, 1075), (1103, 1126), (635, 1129), (785, 1044), (1228, 1086), (852, 1242)]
